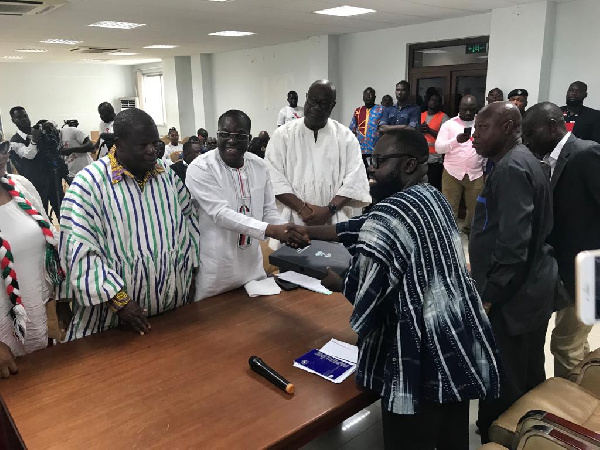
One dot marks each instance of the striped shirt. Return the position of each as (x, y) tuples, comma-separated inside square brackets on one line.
[(117, 235), (423, 333)]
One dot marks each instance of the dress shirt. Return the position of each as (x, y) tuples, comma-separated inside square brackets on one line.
[(461, 159), (552, 158), (409, 115), (24, 151)]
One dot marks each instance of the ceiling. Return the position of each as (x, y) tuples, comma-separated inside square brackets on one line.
[(187, 23)]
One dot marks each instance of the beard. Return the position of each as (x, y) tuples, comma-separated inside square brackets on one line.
[(384, 189), (574, 102)]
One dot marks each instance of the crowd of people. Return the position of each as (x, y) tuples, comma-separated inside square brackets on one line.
[(151, 225)]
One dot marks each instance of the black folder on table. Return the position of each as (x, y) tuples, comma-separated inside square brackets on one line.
[(312, 260)]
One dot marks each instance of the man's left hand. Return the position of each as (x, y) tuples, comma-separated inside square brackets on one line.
[(319, 216), (333, 281), (487, 307)]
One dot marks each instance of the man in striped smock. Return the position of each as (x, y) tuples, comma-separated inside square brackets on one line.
[(128, 235), (425, 344)]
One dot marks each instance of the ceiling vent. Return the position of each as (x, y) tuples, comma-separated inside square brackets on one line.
[(95, 50), (28, 7)]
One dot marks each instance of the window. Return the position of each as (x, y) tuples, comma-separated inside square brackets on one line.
[(154, 102)]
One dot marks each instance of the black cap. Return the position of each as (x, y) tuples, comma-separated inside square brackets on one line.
[(516, 92)]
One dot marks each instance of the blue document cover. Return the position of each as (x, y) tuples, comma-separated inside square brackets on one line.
[(325, 365)]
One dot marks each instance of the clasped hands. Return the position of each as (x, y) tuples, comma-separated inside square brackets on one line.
[(290, 234)]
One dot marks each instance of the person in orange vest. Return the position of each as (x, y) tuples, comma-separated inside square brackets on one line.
[(431, 122)]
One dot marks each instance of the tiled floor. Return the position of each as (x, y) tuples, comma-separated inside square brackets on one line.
[(363, 430)]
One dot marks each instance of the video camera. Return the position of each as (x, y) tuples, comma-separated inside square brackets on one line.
[(49, 146)]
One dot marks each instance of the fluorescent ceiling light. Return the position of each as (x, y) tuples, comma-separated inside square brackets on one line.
[(160, 46), (93, 60), (13, 57), (122, 54), (31, 50), (117, 25), (232, 33), (60, 41), (220, 1), (432, 51), (345, 11)]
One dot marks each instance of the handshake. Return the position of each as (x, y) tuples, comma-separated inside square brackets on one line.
[(295, 236)]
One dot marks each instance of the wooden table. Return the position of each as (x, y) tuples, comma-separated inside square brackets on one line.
[(187, 383)]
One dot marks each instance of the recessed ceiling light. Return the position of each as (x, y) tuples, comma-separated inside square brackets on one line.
[(345, 11), (31, 50), (122, 54), (160, 46), (13, 57), (232, 33), (60, 41), (93, 60), (117, 25)]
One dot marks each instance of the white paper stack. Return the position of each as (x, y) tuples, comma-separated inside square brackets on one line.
[(310, 283), (335, 361)]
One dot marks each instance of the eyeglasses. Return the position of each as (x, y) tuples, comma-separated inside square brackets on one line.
[(4, 147), (238, 137), (377, 159), (323, 105)]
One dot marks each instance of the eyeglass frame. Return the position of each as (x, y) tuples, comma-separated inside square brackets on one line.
[(237, 137), (380, 158)]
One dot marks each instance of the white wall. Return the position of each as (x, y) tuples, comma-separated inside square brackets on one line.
[(62, 91), (576, 50), (257, 81), (379, 58), (519, 55)]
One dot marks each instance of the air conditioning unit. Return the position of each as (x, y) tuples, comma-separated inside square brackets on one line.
[(129, 102), (28, 7)]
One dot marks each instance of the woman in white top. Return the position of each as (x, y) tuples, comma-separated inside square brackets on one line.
[(28, 265)]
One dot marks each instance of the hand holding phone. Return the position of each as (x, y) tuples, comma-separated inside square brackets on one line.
[(587, 280)]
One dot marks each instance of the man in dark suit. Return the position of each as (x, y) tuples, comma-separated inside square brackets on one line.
[(191, 150), (582, 121), (575, 167), (511, 263)]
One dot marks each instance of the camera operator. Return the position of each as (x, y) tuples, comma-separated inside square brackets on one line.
[(107, 138), (75, 147), (35, 155)]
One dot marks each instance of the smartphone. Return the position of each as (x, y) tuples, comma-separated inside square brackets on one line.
[(587, 282), (468, 131)]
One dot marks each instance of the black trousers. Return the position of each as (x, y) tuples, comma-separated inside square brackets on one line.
[(523, 358), (436, 426), (434, 175), (51, 192)]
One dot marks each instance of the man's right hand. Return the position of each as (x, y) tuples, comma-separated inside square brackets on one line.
[(8, 364), (135, 317), (297, 236), (287, 233), (462, 138)]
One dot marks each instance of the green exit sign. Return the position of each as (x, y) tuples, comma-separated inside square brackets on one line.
[(476, 48)]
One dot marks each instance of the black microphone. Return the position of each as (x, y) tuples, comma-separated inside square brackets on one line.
[(260, 367)]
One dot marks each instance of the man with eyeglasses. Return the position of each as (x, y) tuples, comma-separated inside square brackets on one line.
[(316, 165), (128, 235), (236, 209), (425, 344)]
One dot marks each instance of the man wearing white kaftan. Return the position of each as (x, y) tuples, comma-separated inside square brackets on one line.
[(316, 165), (236, 209)]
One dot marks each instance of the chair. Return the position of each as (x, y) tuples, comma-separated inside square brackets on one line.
[(577, 401)]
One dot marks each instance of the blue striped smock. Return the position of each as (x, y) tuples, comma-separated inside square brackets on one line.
[(423, 333)]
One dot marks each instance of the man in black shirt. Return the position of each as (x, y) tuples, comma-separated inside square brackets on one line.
[(191, 150), (582, 121), (511, 263)]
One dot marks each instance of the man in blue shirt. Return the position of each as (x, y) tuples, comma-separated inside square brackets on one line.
[(425, 343), (403, 114)]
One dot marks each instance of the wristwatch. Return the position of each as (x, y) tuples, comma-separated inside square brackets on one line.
[(332, 208)]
